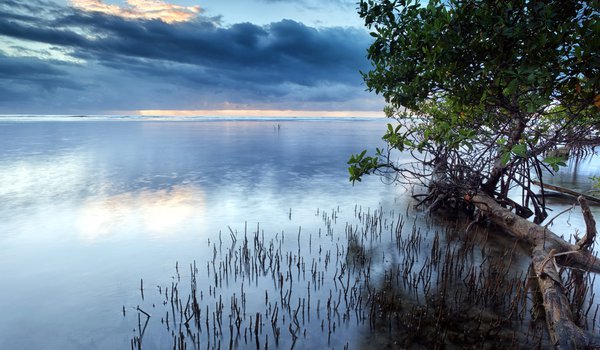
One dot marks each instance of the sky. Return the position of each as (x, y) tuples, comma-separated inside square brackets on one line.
[(184, 57)]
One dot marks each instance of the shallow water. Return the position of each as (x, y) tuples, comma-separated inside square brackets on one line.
[(91, 207), (95, 211)]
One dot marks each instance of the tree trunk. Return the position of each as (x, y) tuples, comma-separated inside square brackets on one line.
[(564, 333), (498, 169), (534, 234), (546, 246)]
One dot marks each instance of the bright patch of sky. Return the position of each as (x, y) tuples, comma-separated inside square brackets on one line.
[(21, 48), (100, 56), (329, 13), (141, 9)]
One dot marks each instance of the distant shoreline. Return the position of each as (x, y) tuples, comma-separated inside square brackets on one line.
[(41, 118)]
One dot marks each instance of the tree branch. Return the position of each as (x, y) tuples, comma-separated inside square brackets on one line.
[(590, 224)]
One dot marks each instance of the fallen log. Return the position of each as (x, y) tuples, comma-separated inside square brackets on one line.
[(564, 332), (533, 234), (567, 191), (546, 247)]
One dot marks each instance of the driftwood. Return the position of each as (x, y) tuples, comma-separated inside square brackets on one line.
[(564, 333), (590, 224), (547, 247), (567, 191)]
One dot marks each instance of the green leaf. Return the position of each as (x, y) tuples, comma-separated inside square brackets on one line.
[(505, 158), (551, 160), (511, 88), (520, 150), (555, 162)]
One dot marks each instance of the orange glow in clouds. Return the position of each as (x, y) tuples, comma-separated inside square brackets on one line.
[(141, 9)]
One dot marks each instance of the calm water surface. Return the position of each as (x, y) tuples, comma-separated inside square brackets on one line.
[(89, 208)]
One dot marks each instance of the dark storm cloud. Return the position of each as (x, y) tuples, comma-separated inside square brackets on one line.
[(31, 84), (19, 68), (256, 62), (32, 6), (33, 72)]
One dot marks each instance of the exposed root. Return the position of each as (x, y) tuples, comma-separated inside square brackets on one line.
[(547, 247), (590, 224)]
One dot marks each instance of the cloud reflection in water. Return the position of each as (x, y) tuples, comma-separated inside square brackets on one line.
[(156, 212)]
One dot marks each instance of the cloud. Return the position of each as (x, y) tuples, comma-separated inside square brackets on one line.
[(30, 72), (317, 4), (141, 9), (118, 63)]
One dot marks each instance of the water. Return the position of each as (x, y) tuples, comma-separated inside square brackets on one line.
[(91, 207)]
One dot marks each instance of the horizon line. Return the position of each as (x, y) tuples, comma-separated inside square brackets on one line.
[(265, 113)]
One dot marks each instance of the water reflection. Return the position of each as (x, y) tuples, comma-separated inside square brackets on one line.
[(160, 213), (577, 174), (90, 208), (39, 178)]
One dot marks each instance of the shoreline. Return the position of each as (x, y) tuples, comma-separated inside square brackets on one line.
[(49, 118)]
